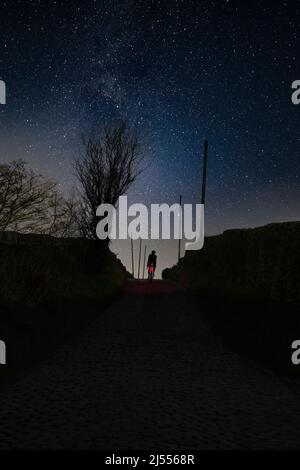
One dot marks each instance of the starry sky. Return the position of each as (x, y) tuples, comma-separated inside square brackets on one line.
[(180, 71)]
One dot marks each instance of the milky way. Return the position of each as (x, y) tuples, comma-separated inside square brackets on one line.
[(180, 71)]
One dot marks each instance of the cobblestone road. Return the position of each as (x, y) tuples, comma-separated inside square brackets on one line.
[(148, 374)]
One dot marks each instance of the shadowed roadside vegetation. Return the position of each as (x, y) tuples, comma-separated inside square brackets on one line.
[(249, 281), (50, 288)]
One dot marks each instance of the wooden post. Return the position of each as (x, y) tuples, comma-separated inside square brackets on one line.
[(132, 258), (180, 230), (204, 172), (140, 258), (144, 263)]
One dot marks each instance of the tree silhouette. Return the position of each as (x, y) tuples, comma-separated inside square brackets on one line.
[(107, 166), (30, 203)]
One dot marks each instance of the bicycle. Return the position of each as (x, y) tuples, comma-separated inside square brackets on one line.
[(151, 270)]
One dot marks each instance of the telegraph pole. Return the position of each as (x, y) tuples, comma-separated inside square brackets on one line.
[(180, 228), (144, 264), (204, 172), (132, 258), (140, 257)]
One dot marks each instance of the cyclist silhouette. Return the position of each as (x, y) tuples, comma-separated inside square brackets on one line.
[(151, 264)]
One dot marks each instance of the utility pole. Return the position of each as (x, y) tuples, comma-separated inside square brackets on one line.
[(204, 172), (140, 257), (144, 263), (132, 258), (180, 228)]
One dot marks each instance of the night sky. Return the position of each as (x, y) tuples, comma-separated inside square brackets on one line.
[(180, 71)]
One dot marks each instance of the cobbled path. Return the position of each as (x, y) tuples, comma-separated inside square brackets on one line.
[(148, 374)]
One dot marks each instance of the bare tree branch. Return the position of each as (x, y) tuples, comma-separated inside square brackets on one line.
[(31, 203), (107, 166)]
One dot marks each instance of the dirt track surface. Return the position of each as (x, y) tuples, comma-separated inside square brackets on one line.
[(148, 374)]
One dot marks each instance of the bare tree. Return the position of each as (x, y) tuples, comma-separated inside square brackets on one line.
[(107, 166), (63, 216), (31, 203), (23, 195)]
